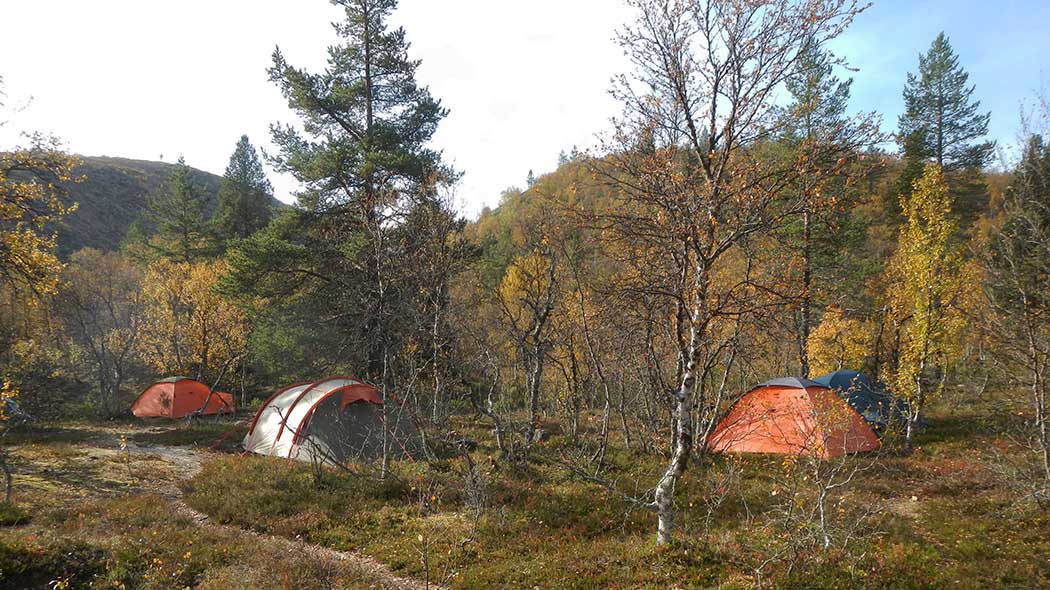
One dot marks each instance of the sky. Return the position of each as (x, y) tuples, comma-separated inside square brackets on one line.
[(523, 81)]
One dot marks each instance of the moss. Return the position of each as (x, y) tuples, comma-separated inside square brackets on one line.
[(220, 435), (945, 521)]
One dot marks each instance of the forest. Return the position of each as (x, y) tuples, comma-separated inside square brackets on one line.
[(545, 396)]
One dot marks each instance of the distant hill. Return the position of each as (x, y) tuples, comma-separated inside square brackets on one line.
[(114, 193)]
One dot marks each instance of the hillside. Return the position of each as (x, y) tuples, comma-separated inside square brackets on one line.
[(113, 194)]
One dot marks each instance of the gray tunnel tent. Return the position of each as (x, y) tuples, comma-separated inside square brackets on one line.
[(871, 400)]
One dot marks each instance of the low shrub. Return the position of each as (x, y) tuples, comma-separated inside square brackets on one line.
[(12, 514), (60, 564)]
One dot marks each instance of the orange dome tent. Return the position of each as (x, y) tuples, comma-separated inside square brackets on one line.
[(793, 417), (178, 397)]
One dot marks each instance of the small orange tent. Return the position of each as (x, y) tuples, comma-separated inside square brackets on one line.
[(793, 417), (178, 397)]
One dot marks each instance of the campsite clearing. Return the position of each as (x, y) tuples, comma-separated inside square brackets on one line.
[(101, 507), (941, 519)]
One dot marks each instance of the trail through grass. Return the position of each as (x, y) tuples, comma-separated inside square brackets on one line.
[(93, 515)]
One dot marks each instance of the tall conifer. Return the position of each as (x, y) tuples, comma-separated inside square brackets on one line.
[(178, 214), (941, 113), (349, 255), (943, 123), (244, 195), (825, 142)]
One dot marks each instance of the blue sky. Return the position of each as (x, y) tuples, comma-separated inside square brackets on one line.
[(1004, 46), (523, 80)]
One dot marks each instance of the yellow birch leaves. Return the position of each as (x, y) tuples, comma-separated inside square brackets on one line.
[(927, 286)]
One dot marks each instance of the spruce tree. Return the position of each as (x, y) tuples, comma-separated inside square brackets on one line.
[(135, 243), (244, 195), (178, 215)]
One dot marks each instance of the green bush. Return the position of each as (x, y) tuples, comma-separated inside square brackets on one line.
[(31, 566), (12, 515)]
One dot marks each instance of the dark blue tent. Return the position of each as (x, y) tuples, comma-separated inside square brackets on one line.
[(870, 399), (13, 413)]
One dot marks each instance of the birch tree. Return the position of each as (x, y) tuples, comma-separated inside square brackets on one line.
[(1018, 264), (927, 287), (101, 303), (527, 298), (188, 328), (693, 176), (32, 200)]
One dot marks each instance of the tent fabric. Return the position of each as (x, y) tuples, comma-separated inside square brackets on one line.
[(794, 417), (173, 379), (178, 397), (334, 420), (13, 413), (790, 382), (872, 401)]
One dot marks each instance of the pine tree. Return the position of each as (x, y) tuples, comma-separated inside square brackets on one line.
[(941, 112), (825, 142), (178, 214), (942, 122), (363, 159), (244, 195), (819, 98), (369, 122)]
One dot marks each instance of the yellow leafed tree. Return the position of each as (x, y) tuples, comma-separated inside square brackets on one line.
[(189, 328), (527, 295), (31, 200), (928, 287), (526, 282), (838, 342)]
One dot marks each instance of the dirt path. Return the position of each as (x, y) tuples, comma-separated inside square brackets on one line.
[(187, 463)]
